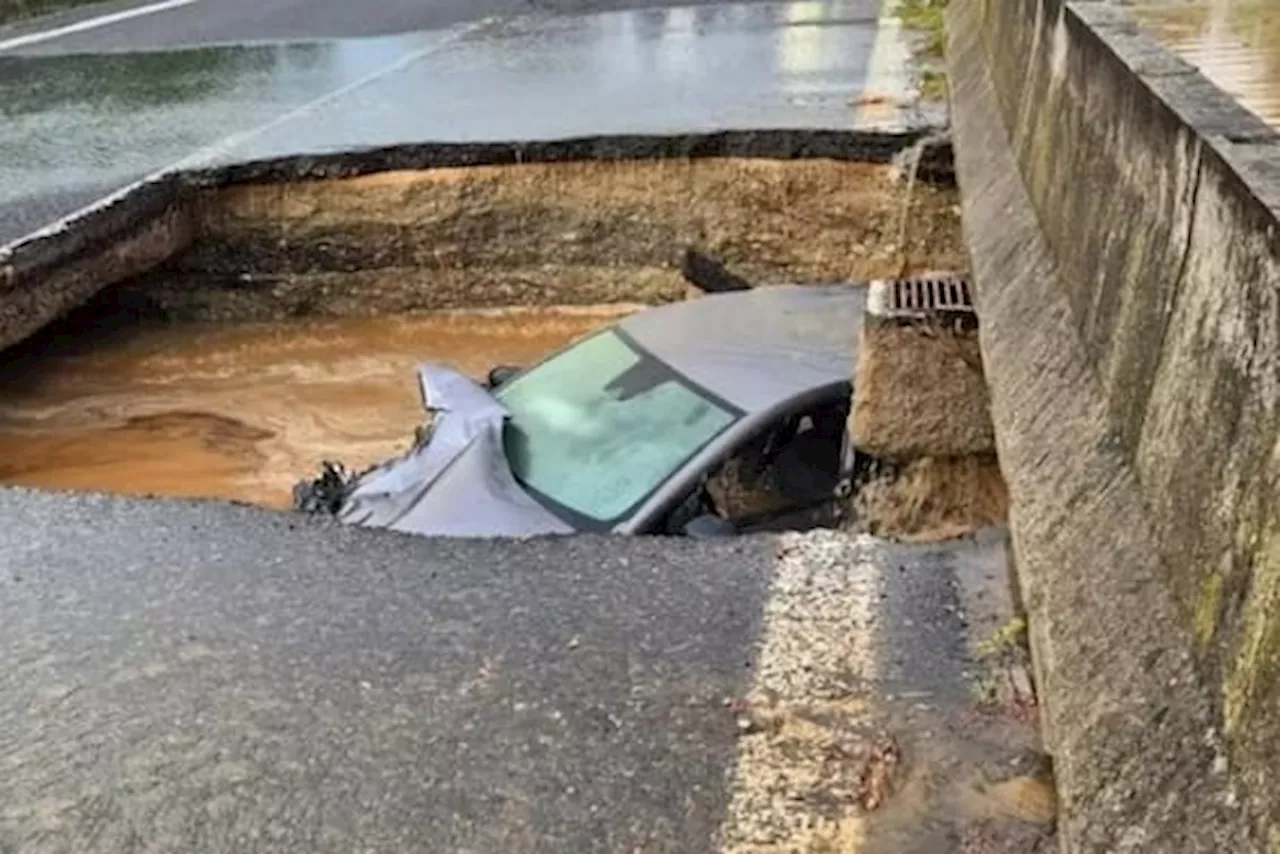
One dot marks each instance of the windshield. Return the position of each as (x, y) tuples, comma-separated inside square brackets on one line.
[(600, 426)]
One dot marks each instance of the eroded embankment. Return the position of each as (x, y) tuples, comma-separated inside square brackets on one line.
[(538, 234), (51, 272)]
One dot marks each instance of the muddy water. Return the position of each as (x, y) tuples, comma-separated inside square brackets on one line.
[(1236, 43), (241, 412)]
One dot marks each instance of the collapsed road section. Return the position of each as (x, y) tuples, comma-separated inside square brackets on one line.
[(236, 328)]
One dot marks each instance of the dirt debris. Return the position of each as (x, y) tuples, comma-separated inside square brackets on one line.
[(933, 499), (876, 783), (1025, 798), (920, 391), (990, 836)]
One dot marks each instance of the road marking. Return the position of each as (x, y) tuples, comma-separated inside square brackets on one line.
[(807, 703), (886, 89), (92, 24), (225, 145)]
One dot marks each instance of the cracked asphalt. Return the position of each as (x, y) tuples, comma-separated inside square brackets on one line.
[(197, 677)]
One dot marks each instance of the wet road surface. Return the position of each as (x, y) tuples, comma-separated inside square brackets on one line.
[(243, 412), (73, 125), (232, 680), (226, 22), (1235, 43)]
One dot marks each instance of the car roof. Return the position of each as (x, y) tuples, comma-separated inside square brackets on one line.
[(758, 348)]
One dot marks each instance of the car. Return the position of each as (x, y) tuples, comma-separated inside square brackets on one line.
[(719, 415)]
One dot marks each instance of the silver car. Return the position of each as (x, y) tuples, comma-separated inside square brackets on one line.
[(718, 415)]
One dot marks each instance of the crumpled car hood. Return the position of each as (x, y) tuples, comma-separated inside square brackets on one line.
[(458, 482)]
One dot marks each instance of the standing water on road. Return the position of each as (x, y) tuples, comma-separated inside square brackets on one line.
[(1235, 43), (241, 412)]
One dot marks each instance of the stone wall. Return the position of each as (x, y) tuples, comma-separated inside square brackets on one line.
[(1122, 218)]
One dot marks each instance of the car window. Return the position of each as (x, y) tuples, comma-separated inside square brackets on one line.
[(795, 462), (597, 428)]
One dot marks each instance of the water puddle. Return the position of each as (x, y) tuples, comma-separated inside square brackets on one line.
[(241, 411), (1235, 43)]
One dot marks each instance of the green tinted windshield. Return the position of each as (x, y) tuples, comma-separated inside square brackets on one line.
[(600, 426)]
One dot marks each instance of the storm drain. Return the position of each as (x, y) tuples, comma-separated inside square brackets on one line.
[(921, 296)]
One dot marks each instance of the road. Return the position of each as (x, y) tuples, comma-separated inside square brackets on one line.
[(212, 22), (202, 677), (92, 111)]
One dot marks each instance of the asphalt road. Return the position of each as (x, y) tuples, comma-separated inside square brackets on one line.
[(201, 677), (214, 22), (80, 118), (204, 678)]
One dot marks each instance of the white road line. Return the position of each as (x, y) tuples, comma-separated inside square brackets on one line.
[(808, 703), (886, 87), (92, 24), (207, 155)]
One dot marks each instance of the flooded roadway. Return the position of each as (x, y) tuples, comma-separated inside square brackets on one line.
[(1235, 43), (242, 412)]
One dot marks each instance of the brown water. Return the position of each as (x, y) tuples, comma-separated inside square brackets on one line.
[(1236, 43), (241, 412)]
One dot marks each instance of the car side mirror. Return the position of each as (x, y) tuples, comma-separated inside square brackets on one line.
[(709, 526), (501, 374)]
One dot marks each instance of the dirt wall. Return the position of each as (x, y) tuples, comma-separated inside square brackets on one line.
[(919, 390), (565, 233)]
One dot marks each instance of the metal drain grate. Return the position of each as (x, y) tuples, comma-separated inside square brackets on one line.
[(916, 296)]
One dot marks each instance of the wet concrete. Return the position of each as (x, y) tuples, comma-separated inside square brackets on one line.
[(241, 412), (1235, 43), (75, 124)]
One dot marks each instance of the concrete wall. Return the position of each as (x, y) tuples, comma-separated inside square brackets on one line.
[(1122, 217)]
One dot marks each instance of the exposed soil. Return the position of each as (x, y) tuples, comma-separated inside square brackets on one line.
[(920, 391), (933, 499), (568, 233)]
